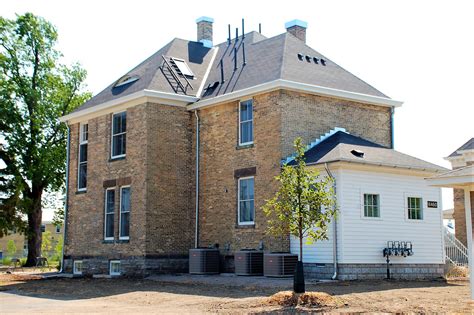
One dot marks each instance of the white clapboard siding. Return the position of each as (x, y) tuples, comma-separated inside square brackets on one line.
[(361, 240)]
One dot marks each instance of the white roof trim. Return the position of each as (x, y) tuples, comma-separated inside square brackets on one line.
[(166, 98), (204, 79), (296, 86)]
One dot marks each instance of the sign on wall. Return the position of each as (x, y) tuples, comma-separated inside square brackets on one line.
[(432, 204)]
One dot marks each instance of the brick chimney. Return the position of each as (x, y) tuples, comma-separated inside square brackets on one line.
[(204, 30), (297, 28)]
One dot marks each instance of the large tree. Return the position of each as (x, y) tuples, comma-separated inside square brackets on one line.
[(35, 90), (303, 206)]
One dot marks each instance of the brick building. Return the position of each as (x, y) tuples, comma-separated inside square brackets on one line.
[(182, 151)]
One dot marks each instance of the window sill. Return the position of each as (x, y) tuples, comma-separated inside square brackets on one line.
[(245, 226), (118, 158), (127, 240), (108, 241), (244, 146), (114, 241), (78, 192)]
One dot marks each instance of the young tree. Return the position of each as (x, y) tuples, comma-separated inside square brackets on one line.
[(35, 90), (46, 241), (302, 207), (11, 248), (58, 249)]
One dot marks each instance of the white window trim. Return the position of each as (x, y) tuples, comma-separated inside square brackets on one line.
[(240, 124), (56, 229), (74, 269), (112, 156), (238, 202), (110, 268), (362, 207), (81, 142), (405, 202), (105, 215), (124, 238)]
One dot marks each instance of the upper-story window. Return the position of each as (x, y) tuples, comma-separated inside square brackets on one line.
[(82, 167), (371, 206), (415, 208), (246, 122), (246, 207), (119, 134), (58, 229)]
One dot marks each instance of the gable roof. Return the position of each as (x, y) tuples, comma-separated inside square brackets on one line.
[(339, 147), (469, 145), (269, 59)]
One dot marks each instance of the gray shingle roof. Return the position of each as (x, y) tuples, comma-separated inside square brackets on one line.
[(267, 59), (338, 147), (469, 145)]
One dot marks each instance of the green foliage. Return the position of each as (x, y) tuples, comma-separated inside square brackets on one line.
[(58, 218), (35, 90), (304, 204), (6, 261), (58, 249), (46, 243), (11, 248)]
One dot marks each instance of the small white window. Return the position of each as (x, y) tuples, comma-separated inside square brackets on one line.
[(58, 229), (246, 122), (114, 268), (82, 163), (183, 67), (77, 267), (124, 227), (371, 206), (119, 135), (246, 208), (415, 208)]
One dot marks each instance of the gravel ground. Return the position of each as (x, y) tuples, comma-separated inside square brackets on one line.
[(187, 294)]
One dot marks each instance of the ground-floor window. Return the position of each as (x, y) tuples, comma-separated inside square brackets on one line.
[(371, 206), (124, 212), (109, 214), (114, 268), (246, 207), (415, 209), (77, 267)]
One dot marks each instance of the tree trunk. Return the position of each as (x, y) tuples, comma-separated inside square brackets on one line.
[(34, 229)]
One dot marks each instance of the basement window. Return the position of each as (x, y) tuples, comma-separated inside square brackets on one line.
[(77, 267), (183, 67), (114, 268)]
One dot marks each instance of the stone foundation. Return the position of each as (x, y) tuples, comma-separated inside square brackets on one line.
[(130, 266), (375, 271)]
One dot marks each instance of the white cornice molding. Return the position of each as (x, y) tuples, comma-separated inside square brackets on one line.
[(296, 86), (130, 100)]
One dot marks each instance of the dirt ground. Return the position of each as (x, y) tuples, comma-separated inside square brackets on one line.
[(30, 294)]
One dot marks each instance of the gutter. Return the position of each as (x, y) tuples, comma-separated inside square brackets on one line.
[(196, 231), (66, 199), (392, 125), (334, 224)]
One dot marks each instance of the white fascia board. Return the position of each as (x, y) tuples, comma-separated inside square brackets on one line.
[(465, 181), (204, 78), (300, 87), (128, 101)]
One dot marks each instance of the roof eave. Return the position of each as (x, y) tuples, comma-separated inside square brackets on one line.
[(162, 97), (300, 87)]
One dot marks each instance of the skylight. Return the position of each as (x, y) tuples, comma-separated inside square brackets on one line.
[(183, 67), (126, 79)]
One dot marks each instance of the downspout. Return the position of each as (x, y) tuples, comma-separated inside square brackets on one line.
[(66, 198), (334, 225), (196, 232), (392, 112)]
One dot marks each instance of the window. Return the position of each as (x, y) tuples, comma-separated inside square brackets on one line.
[(77, 267), (183, 67), (246, 210), (43, 228), (246, 122), (109, 214), (124, 213), (82, 172), (371, 206), (114, 268), (415, 210), (58, 229), (119, 133)]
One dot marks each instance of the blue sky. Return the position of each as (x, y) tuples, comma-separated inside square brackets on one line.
[(419, 52)]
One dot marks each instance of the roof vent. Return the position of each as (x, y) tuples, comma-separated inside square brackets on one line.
[(358, 153), (308, 58), (315, 60), (323, 61), (300, 56), (126, 79)]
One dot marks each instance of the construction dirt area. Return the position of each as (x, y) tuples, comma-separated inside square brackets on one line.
[(28, 293)]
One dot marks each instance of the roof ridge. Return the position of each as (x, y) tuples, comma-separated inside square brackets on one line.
[(315, 143), (283, 55)]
